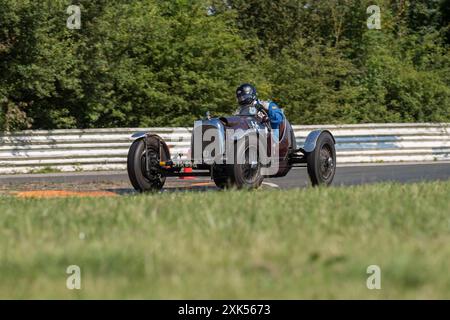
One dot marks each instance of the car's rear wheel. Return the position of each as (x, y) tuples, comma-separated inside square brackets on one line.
[(322, 161), (144, 180)]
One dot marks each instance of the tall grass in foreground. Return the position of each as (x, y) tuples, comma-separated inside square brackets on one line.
[(309, 243)]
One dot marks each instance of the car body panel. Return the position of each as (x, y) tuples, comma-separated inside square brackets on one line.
[(311, 140)]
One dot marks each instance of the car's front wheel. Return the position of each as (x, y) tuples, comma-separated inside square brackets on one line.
[(246, 171), (222, 177), (144, 180)]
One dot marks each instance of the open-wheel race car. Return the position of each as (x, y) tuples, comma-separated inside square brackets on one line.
[(236, 152)]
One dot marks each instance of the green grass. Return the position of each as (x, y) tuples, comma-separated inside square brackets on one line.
[(309, 243)]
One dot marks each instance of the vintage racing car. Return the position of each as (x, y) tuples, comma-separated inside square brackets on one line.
[(237, 151)]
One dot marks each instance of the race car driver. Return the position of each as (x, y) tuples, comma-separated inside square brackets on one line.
[(249, 103)]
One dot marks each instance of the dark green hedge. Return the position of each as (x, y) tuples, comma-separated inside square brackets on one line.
[(165, 63)]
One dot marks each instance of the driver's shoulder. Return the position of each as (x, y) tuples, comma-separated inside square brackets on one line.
[(269, 104)]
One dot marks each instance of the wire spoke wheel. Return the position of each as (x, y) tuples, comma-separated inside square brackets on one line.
[(326, 162), (251, 167), (322, 161), (145, 176), (152, 173), (245, 173)]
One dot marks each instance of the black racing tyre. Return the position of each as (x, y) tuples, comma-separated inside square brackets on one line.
[(222, 177), (221, 183), (140, 180), (246, 171), (322, 161)]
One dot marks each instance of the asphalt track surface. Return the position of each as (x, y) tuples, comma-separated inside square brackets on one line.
[(345, 176), (367, 174)]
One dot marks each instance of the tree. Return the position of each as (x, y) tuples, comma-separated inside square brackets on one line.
[(165, 63)]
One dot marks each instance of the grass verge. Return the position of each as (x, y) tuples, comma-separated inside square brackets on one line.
[(308, 243)]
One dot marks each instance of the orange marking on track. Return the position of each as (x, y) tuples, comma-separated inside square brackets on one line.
[(202, 184), (63, 194)]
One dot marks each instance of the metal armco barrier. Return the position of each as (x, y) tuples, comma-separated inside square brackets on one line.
[(106, 149)]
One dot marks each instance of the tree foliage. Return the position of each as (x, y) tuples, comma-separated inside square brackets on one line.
[(165, 63)]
